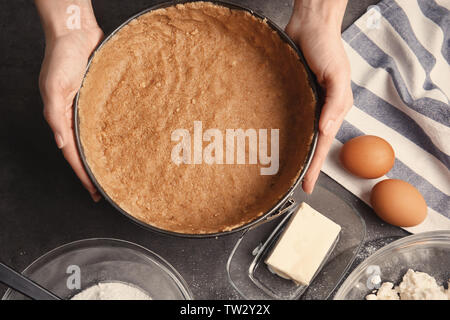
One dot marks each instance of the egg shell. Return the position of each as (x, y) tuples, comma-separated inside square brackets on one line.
[(398, 203), (367, 156)]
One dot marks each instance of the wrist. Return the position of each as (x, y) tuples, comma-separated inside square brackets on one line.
[(327, 12), (62, 17)]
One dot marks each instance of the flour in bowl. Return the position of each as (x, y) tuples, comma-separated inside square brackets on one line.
[(414, 286), (112, 291)]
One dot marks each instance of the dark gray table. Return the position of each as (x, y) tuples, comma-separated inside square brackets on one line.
[(42, 204)]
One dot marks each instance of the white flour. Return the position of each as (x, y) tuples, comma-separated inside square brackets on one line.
[(112, 291)]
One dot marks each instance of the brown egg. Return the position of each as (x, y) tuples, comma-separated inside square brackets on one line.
[(367, 156), (398, 203)]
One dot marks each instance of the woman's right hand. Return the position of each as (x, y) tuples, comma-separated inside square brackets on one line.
[(315, 26)]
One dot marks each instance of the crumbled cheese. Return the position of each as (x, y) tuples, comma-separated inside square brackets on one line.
[(414, 286)]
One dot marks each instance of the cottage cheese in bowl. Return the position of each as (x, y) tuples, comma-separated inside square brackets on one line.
[(415, 285)]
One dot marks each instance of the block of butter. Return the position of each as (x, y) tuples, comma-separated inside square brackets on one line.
[(303, 245)]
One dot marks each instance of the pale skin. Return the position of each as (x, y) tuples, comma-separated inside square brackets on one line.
[(314, 25)]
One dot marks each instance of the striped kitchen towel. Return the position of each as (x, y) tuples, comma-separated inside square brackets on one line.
[(399, 52)]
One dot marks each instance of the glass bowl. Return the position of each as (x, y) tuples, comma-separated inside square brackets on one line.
[(104, 260), (426, 252)]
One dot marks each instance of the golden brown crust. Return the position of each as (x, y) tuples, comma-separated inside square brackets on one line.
[(169, 68)]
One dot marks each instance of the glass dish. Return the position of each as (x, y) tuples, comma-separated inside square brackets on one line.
[(105, 260), (426, 252), (249, 275)]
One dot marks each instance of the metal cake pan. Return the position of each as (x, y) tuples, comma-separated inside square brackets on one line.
[(286, 200)]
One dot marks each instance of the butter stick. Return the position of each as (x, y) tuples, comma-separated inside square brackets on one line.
[(303, 245)]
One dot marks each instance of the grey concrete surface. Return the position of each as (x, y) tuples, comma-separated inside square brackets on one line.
[(42, 203)]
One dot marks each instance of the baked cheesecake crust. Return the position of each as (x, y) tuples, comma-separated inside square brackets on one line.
[(193, 62)]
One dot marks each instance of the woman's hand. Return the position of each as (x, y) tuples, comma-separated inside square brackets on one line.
[(315, 26), (66, 55)]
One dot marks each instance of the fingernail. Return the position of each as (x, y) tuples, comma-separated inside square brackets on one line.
[(305, 188), (305, 185), (96, 196), (59, 141), (328, 127)]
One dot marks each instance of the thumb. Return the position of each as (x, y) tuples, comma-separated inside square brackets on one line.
[(59, 117), (56, 114), (338, 101)]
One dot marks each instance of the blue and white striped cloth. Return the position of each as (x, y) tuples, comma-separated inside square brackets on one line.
[(399, 52)]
